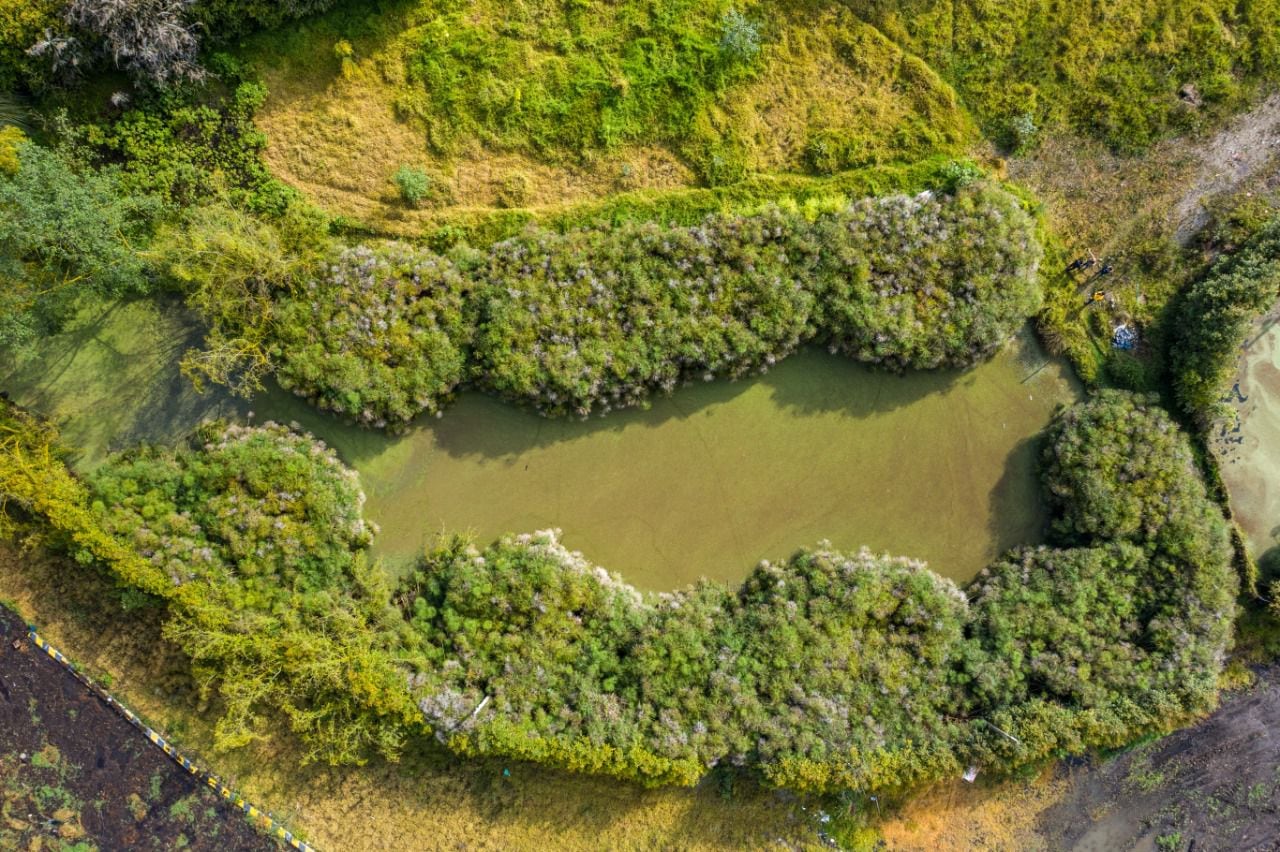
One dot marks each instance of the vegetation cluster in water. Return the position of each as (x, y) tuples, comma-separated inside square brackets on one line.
[(598, 318), (828, 671)]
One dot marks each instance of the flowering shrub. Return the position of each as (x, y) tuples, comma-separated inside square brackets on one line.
[(822, 657), (849, 671), (261, 507), (830, 671), (254, 539), (599, 318), (379, 336), (928, 281)]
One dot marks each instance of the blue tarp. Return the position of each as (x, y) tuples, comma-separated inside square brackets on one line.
[(1124, 337)]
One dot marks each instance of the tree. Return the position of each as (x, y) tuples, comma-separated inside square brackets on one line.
[(66, 230), (1213, 317)]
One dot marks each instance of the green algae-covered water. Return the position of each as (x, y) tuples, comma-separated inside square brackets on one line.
[(1247, 442), (706, 482)]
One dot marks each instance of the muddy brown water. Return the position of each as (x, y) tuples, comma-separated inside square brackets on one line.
[(706, 482)]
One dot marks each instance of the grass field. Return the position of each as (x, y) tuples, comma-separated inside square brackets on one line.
[(538, 104)]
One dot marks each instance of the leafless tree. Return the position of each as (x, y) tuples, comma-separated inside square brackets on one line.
[(153, 40)]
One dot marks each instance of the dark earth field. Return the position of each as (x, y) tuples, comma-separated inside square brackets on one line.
[(1213, 786), (74, 775)]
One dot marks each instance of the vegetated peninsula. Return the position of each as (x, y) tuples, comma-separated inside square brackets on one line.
[(251, 254)]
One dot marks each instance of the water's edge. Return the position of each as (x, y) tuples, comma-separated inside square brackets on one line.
[(706, 482)]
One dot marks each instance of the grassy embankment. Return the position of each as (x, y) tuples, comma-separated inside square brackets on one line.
[(1085, 98), (538, 106)]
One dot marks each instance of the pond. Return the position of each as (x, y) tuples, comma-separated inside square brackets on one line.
[(1247, 443), (706, 482)]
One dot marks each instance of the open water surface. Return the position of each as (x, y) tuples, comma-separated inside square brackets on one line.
[(934, 465)]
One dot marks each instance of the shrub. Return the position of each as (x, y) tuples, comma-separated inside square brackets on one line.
[(259, 537), (958, 174), (11, 140), (831, 671), (1119, 469), (1127, 633), (926, 282), (1213, 317), (21, 24), (514, 190), (192, 144), (66, 230), (245, 500), (818, 670), (597, 318), (379, 335), (739, 38), (153, 40), (414, 185)]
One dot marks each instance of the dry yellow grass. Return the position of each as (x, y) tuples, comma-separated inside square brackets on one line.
[(959, 817), (334, 132)]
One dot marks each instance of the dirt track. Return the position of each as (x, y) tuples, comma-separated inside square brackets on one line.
[(74, 772)]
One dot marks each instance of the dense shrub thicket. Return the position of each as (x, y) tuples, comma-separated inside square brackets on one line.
[(1126, 626), (191, 143), (258, 536), (1213, 318), (66, 230), (379, 334), (596, 318), (838, 671), (827, 671), (824, 671)]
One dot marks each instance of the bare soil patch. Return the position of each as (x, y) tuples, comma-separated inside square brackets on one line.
[(1213, 786), (1245, 147), (72, 771)]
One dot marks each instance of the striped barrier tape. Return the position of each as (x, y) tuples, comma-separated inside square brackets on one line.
[(270, 823)]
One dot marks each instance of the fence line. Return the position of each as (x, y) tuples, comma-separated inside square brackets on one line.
[(273, 826)]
